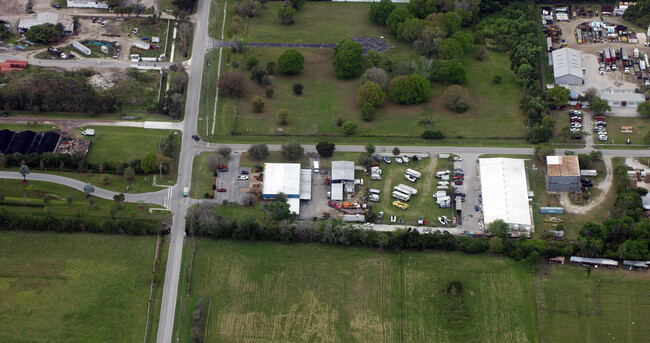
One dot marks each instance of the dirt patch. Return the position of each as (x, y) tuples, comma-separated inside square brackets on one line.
[(12, 7), (604, 186)]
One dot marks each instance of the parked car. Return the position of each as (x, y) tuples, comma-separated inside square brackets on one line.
[(244, 172), (196, 138), (457, 159), (415, 158), (458, 182), (242, 177), (368, 224), (221, 190)]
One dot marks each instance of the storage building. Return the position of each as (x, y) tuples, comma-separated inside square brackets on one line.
[(622, 97), (567, 67), (87, 4), (586, 261), (505, 192), (47, 18), (342, 179), (562, 174), (289, 179)]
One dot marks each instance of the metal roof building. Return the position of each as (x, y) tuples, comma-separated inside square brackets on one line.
[(593, 261), (289, 179), (47, 18), (622, 97), (567, 67), (342, 171), (505, 192), (562, 173)]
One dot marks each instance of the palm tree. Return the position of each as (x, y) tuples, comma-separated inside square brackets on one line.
[(106, 179), (24, 170), (88, 188), (129, 173)]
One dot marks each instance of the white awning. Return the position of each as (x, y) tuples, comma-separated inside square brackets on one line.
[(305, 184), (337, 191)]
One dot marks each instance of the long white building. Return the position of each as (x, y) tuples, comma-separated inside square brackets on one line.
[(504, 189)]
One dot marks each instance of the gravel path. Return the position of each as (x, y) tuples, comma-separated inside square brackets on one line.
[(604, 186), (368, 43)]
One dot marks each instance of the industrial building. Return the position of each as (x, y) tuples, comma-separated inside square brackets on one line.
[(87, 4), (594, 262), (567, 67), (28, 142), (289, 179), (562, 174), (622, 97), (47, 18), (342, 179), (505, 192)]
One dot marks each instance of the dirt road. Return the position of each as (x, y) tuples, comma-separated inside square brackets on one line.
[(604, 186)]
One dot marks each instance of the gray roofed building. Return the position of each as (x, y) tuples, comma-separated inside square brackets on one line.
[(562, 173), (567, 67), (342, 171), (622, 97), (47, 18), (631, 264), (593, 261)]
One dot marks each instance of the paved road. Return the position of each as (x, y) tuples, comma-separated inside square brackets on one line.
[(189, 149), (87, 63), (159, 197)]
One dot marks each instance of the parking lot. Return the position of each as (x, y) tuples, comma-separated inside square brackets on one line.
[(235, 189), (318, 203)]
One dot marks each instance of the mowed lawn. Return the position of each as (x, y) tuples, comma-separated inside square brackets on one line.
[(315, 293), (494, 109), (123, 144), (609, 305), (59, 287)]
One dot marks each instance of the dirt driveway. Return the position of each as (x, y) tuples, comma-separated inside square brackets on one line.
[(604, 186)]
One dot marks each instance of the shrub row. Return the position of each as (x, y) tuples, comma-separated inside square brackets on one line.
[(131, 226)]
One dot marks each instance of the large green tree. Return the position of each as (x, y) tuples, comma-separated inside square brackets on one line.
[(292, 150), (396, 19), (291, 62), (412, 89), (644, 109), (325, 149), (422, 8), (599, 106), (451, 72), (557, 96), (499, 228), (370, 93), (379, 11), (347, 59), (44, 34)]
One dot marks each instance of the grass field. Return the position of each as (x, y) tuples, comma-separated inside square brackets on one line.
[(25, 127), (316, 293), (609, 305), (274, 157), (494, 111), (202, 175), (123, 144), (28, 199), (421, 204), (615, 136), (74, 287)]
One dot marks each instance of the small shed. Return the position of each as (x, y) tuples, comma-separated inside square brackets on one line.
[(635, 265), (556, 260)]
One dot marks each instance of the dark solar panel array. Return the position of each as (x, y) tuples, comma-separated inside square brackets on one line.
[(27, 142)]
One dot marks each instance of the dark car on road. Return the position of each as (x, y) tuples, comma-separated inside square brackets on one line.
[(196, 138)]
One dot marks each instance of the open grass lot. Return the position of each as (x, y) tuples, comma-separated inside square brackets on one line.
[(122, 144), (202, 176), (274, 157), (615, 136), (28, 199), (610, 305), (59, 287), (146, 28), (314, 293), (494, 110), (25, 127), (421, 204)]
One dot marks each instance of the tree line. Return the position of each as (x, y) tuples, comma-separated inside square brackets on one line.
[(130, 226)]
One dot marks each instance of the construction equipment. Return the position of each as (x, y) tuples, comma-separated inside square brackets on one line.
[(401, 205), (349, 205), (554, 220)]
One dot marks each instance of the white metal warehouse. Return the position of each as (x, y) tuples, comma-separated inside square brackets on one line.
[(567, 67), (505, 192), (289, 179)]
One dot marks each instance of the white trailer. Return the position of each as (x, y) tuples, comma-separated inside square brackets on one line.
[(142, 45), (410, 189), (401, 196), (375, 177), (81, 48), (588, 172), (441, 200), (442, 173), (135, 58), (373, 197), (642, 65), (414, 173), (374, 191)]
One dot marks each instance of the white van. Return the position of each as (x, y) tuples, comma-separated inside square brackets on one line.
[(186, 191), (316, 167)]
